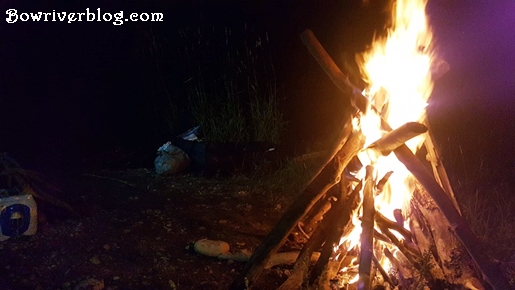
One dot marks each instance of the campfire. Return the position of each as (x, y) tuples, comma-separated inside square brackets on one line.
[(376, 214)]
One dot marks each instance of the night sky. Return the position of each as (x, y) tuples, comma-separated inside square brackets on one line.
[(68, 91), (474, 104)]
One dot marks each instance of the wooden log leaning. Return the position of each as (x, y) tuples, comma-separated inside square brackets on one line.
[(381, 219), (438, 169), (300, 268), (385, 275), (489, 269), (444, 245), (395, 138), (322, 233), (310, 195), (345, 207), (367, 234), (331, 69)]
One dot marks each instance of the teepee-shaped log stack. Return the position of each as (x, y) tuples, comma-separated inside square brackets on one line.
[(439, 248)]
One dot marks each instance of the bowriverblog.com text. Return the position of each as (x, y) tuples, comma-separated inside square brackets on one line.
[(14, 16)]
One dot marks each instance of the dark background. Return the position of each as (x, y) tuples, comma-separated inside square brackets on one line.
[(69, 91)]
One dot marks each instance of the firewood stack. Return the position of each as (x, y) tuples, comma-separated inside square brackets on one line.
[(436, 249)]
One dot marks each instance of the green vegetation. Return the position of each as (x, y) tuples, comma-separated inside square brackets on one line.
[(491, 217), (220, 78), (286, 182), (231, 85), (488, 207)]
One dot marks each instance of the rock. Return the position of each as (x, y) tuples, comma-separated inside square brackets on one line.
[(172, 285), (95, 260), (211, 248), (90, 284)]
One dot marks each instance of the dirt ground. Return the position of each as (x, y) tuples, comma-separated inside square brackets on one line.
[(135, 231)]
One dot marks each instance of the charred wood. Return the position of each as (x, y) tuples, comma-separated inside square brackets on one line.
[(329, 230), (300, 268), (399, 218), (380, 185), (343, 210), (331, 69), (491, 270), (382, 220), (385, 275), (345, 150), (402, 273), (435, 232)]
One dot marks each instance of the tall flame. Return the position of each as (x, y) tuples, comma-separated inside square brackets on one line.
[(397, 69)]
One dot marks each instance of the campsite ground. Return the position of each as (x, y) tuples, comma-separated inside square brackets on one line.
[(135, 230)]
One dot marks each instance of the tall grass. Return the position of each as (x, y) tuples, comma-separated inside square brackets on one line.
[(284, 183), (220, 78), (231, 88), (491, 215), (488, 205), (151, 50), (264, 103)]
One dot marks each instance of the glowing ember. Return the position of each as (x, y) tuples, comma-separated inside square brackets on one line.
[(397, 71)]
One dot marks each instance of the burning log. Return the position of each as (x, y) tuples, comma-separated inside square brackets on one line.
[(444, 243), (490, 270), (308, 225), (397, 214), (300, 268), (438, 170), (331, 69), (367, 235), (436, 224), (344, 208), (457, 223), (344, 150), (396, 138), (399, 268), (380, 185), (388, 224), (327, 232), (410, 256), (385, 275)]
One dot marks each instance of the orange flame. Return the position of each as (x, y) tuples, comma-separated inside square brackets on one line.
[(397, 71)]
